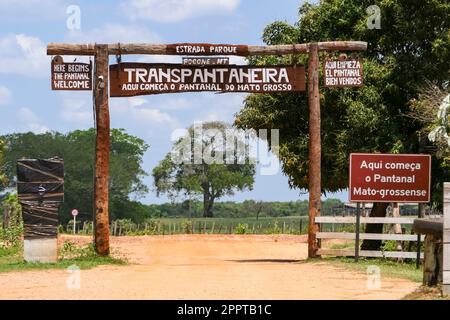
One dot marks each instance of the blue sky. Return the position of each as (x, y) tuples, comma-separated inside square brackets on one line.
[(28, 104)]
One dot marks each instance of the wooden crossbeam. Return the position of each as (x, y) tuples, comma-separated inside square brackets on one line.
[(166, 49), (371, 220), (369, 253), (368, 236)]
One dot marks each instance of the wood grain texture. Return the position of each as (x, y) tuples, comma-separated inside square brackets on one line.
[(446, 259), (315, 150), (365, 220), (368, 253), (167, 49), (368, 236), (102, 146)]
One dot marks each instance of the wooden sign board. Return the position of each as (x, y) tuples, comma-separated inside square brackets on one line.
[(205, 61), (343, 73), (71, 75), (389, 177), (133, 79), (205, 49)]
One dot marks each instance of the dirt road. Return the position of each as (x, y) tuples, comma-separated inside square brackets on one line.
[(205, 267)]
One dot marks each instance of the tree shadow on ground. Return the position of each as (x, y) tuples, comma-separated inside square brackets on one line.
[(266, 260)]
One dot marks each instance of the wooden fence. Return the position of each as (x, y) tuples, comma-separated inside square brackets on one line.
[(356, 235)]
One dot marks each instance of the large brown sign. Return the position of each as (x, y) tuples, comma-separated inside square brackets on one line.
[(132, 79), (205, 49), (342, 73), (71, 75), (389, 177)]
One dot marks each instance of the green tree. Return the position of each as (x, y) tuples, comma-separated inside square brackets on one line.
[(220, 171), (77, 150), (3, 178), (413, 45)]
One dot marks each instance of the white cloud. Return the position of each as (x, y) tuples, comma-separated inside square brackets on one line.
[(24, 55), (31, 10), (176, 10), (177, 103), (113, 33), (224, 106), (157, 58), (79, 111), (238, 60), (30, 122), (139, 111), (5, 96)]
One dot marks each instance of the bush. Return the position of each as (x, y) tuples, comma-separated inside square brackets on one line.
[(241, 228), (274, 229), (11, 237), (389, 245), (187, 226), (70, 250)]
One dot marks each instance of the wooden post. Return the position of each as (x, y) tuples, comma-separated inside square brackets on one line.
[(446, 239), (421, 214), (397, 226), (7, 208), (314, 149), (101, 181)]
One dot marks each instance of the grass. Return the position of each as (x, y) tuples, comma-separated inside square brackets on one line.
[(11, 259), (388, 268), (427, 293)]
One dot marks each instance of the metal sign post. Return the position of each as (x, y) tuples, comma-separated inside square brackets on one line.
[(358, 224), (74, 214)]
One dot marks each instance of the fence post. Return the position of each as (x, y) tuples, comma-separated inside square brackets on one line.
[(446, 255), (6, 214), (397, 226), (421, 210), (358, 214)]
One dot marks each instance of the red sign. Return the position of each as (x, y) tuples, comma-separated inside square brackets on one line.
[(389, 177)]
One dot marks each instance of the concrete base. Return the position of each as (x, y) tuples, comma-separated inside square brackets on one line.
[(40, 250)]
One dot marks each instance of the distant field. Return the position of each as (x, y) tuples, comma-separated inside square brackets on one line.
[(292, 224), (263, 225)]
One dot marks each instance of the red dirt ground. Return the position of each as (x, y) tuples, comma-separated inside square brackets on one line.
[(204, 267)]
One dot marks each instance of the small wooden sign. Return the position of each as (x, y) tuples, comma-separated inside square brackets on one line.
[(132, 79), (206, 49), (71, 75), (341, 73), (205, 61)]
